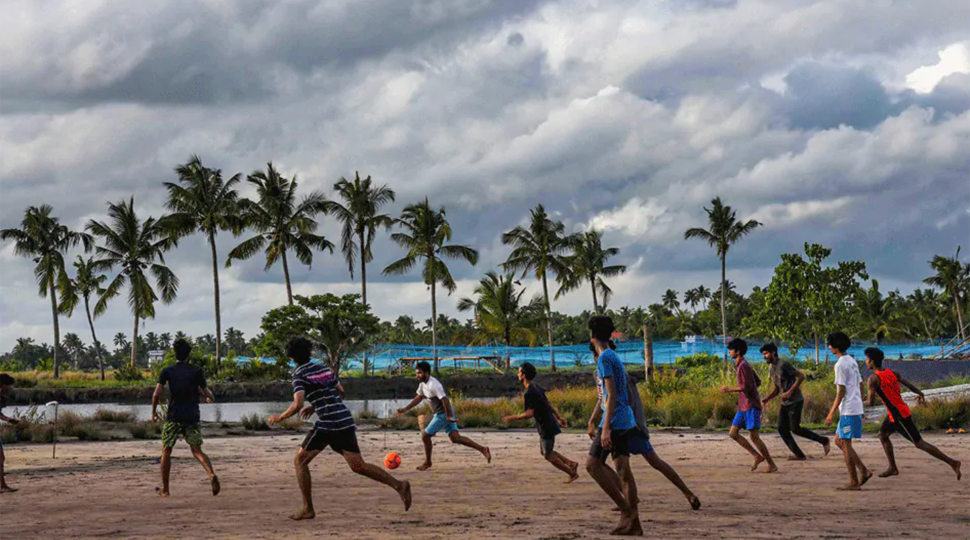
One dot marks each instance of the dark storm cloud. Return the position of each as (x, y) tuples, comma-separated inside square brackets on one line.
[(823, 97)]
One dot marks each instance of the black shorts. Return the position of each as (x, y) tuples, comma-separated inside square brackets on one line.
[(621, 444), (904, 426), (547, 445), (339, 441)]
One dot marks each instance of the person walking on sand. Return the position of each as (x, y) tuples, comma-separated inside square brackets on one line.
[(547, 419), (848, 401), (749, 406), (787, 380), (444, 415), (186, 384), (334, 427), (885, 384), (6, 386)]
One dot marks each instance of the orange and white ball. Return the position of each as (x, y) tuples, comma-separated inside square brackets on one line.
[(392, 461)]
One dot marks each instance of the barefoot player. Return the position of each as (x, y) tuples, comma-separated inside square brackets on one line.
[(334, 427), (444, 415), (547, 420), (848, 401), (787, 382), (6, 385), (885, 383), (749, 406), (186, 384)]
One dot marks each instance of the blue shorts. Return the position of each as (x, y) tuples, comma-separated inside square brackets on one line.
[(749, 419), (439, 422), (850, 427), (639, 444)]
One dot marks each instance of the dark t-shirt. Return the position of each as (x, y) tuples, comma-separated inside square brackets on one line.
[(784, 376), (184, 381), (536, 401)]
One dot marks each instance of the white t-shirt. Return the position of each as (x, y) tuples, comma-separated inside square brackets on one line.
[(433, 392), (847, 375)]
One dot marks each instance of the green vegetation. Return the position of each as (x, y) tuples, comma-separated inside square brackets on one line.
[(254, 422)]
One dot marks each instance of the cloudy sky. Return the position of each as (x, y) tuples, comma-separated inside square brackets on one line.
[(842, 122)]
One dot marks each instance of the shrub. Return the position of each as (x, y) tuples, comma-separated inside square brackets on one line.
[(68, 423), (42, 433), (88, 432), (127, 372), (254, 422), (144, 430), (943, 413), (107, 415)]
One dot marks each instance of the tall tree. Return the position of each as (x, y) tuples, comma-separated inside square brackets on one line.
[(165, 340), (703, 295), (74, 347), (540, 248), (670, 301), (42, 238), (588, 262), (121, 340), (724, 230), (951, 276), (499, 308), (424, 236), (138, 249), (692, 297), (87, 283), (201, 201), (280, 223)]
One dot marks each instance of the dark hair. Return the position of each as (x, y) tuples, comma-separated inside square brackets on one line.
[(528, 370), (6, 380), (182, 349), (423, 366), (738, 344), (601, 327), (612, 344), (299, 349), (592, 348), (876, 356), (769, 348), (839, 340)]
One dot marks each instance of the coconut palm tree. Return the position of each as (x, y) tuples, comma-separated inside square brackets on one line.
[(235, 340), (280, 223), (670, 301), (165, 340), (73, 346), (138, 249), (499, 308), (950, 276), (588, 262), (724, 230), (692, 298), (41, 237), (181, 335), (121, 340), (151, 340), (703, 295), (424, 236), (540, 248), (86, 283), (202, 202)]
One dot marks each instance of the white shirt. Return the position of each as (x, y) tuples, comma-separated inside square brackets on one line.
[(434, 392), (847, 375)]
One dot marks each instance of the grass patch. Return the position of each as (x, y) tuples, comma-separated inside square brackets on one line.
[(144, 430), (953, 380), (254, 422), (107, 415)]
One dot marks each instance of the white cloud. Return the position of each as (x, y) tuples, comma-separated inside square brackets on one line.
[(953, 59)]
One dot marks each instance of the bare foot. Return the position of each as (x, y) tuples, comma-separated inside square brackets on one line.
[(956, 469), (826, 447), (488, 454), (757, 461), (161, 492), (216, 487), (772, 468), (850, 487), (8, 489), (866, 475), (424, 466), (695, 503), (405, 493), (573, 474), (632, 528), (303, 514), (889, 472), (796, 458)]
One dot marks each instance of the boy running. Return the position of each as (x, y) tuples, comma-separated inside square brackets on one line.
[(334, 427), (788, 381), (547, 419), (6, 385), (444, 415), (885, 383), (749, 406), (848, 401), (186, 384)]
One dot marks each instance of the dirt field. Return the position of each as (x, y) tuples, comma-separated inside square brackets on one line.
[(105, 490)]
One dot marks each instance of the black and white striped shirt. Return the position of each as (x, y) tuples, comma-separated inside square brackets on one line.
[(319, 385)]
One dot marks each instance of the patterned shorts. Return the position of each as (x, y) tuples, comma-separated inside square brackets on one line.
[(173, 431)]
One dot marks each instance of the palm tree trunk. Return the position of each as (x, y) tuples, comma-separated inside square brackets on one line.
[(434, 326), (286, 276), (57, 329), (363, 285), (552, 354), (647, 350), (215, 283), (134, 343), (956, 304), (596, 305), (724, 297), (97, 345)]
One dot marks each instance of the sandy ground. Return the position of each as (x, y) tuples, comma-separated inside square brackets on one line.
[(105, 490)]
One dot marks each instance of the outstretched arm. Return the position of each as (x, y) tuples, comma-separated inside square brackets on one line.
[(529, 413), (920, 396), (293, 409), (414, 403)]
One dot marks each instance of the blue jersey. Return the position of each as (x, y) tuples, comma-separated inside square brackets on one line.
[(608, 366)]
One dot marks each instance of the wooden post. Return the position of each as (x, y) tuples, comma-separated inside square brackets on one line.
[(647, 350)]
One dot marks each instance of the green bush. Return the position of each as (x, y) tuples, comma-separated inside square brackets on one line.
[(144, 430), (68, 422), (943, 413), (107, 415), (254, 422), (89, 432), (128, 373)]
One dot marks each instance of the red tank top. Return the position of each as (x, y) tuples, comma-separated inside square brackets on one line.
[(889, 386)]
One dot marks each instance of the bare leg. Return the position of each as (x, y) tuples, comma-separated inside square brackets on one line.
[(864, 473), (887, 446), (361, 467), (629, 483), (428, 445), (207, 465), (938, 454), (302, 465), (609, 482), (660, 465), (736, 435), (166, 462), (756, 439), (457, 438), (560, 462), (4, 488)]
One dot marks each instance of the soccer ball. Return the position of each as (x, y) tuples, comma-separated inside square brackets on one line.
[(392, 461)]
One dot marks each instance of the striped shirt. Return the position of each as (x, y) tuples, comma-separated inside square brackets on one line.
[(319, 385)]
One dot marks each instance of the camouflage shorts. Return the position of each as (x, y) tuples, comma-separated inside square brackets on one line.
[(173, 431)]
